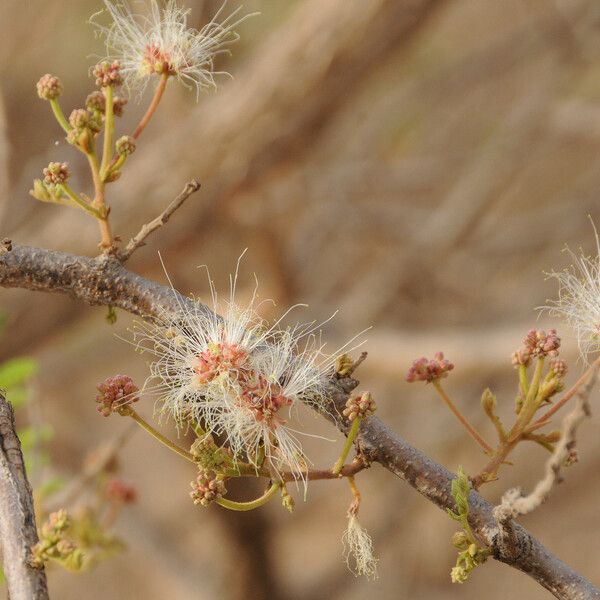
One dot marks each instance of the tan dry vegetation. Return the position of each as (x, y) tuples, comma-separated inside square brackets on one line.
[(416, 164)]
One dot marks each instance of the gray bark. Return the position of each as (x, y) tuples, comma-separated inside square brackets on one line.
[(104, 281)]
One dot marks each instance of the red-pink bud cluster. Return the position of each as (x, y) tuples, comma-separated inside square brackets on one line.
[(49, 87), (424, 369), (118, 491), (115, 394), (537, 343), (206, 489)]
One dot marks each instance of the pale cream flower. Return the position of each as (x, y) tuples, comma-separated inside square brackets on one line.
[(237, 375), (578, 301), (159, 41)]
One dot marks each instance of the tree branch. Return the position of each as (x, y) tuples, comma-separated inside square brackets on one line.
[(17, 518), (139, 239), (105, 281)]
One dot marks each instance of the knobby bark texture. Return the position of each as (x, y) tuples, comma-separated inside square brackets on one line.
[(17, 518), (104, 281)]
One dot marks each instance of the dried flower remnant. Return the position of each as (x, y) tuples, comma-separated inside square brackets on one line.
[(358, 547), (578, 301), (115, 393), (424, 369), (161, 43)]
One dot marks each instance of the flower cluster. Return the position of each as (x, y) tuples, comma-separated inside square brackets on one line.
[(54, 545), (161, 43), (119, 492), (234, 375), (207, 488), (359, 406), (536, 344), (108, 73), (424, 369), (49, 87), (56, 173), (115, 393)]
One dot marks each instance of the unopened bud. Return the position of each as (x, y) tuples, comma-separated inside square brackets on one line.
[(119, 105), (49, 87), (360, 406), (96, 102), (108, 74), (343, 364), (488, 402), (125, 145), (56, 173)]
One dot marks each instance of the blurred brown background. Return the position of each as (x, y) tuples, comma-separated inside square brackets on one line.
[(417, 164)]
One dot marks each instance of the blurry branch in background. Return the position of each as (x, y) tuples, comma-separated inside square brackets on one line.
[(105, 281), (18, 533)]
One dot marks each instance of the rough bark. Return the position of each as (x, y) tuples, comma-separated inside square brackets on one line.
[(17, 518), (103, 281)]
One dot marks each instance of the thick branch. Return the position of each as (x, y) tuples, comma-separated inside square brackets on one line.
[(106, 281), (17, 518)]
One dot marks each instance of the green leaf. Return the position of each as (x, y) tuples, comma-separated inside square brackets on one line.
[(17, 371), (17, 396)]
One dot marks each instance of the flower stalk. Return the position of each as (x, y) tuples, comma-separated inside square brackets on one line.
[(252, 504), (130, 412)]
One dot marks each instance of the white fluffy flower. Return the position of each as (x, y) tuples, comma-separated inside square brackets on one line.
[(578, 300), (237, 376), (160, 41), (358, 547)]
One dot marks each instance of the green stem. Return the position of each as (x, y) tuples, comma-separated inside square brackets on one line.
[(566, 396), (109, 127), (79, 201), (159, 436), (244, 506), (60, 116), (531, 403), (115, 166), (347, 446)]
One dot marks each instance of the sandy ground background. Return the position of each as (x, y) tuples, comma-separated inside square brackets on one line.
[(416, 164)]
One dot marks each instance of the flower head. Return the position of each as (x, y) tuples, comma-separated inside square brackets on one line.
[(49, 87), (206, 489), (160, 42), (115, 393), (578, 301), (359, 406), (56, 173), (236, 375), (108, 73), (424, 369)]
